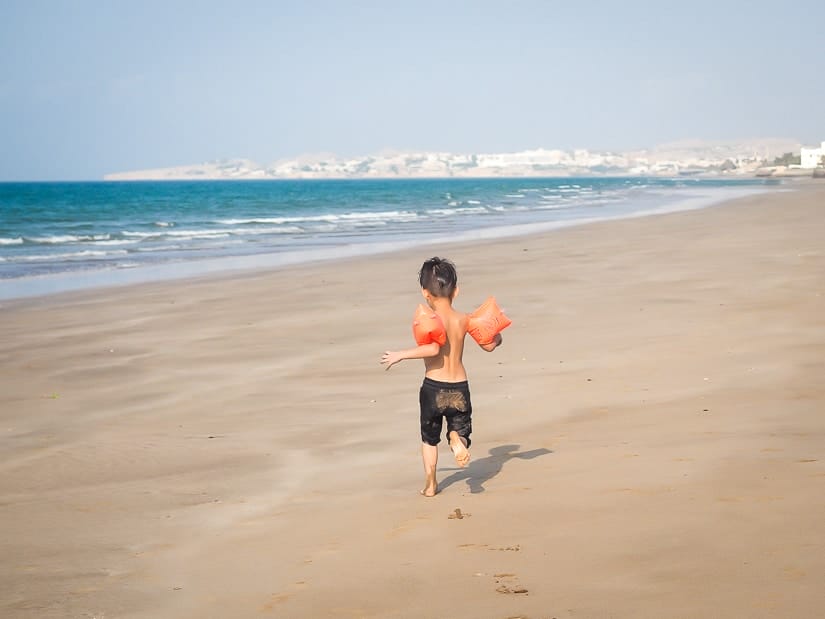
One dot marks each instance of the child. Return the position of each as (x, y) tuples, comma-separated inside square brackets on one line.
[(445, 392)]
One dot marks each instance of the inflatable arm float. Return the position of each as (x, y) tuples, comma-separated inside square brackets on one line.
[(487, 321), (427, 327)]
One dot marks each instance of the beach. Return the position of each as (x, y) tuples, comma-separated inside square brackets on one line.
[(648, 441)]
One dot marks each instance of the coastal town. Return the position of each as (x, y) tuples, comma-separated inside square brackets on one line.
[(765, 157)]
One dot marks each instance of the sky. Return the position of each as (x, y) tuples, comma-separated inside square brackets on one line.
[(93, 87)]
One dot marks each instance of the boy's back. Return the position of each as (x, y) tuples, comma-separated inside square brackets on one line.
[(447, 365)]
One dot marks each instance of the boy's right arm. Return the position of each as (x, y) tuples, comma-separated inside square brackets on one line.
[(492, 345), (391, 357)]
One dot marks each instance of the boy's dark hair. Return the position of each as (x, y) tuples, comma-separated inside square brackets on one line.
[(438, 277)]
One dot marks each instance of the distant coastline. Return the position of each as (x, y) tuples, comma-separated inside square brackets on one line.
[(687, 158)]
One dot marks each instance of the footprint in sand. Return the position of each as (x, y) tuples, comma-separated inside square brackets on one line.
[(457, 514), (506, 584)]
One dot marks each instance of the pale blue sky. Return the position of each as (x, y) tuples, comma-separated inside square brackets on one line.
[(90, 87)]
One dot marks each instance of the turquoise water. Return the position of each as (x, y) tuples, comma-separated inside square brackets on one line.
[(56, 236)]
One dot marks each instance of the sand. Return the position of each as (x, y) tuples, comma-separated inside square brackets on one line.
[(648, 442)]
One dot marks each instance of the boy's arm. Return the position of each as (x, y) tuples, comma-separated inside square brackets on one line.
[(492, 345), (391, 357)]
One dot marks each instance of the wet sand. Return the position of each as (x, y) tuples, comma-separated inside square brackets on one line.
[(648, 442)]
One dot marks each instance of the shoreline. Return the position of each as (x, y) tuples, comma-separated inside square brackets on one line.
[(100, 280), (647, 441)]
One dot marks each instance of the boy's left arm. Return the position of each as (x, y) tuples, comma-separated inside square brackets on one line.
[(391, 357)]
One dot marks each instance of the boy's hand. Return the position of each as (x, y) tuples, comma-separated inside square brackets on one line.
[(494, 344), (390, 358)]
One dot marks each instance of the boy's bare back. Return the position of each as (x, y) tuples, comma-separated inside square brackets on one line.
[(444, 363), (447, 365)]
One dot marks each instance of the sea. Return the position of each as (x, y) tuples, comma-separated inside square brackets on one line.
[(62, 236)]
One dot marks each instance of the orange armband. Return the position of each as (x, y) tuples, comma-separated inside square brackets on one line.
[(487, 321), (427, 327)]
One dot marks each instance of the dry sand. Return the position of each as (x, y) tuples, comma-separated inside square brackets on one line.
[(649, 441)]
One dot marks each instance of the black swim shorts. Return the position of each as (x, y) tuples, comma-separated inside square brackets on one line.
[(450, 401)]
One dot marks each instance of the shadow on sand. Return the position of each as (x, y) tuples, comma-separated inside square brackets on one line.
[(484, 469)]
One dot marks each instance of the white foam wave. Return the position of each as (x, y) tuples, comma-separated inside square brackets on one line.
[(259, 220), (87, 254), (184, 234), (457, 211), (514, 195), (386, 215), (116, 242), (156, 248), (15, 241), (164, 224), (218, 233), (58, 239), (270, 230), (277, 220), (202, 237), (199, 234), (330, 217)]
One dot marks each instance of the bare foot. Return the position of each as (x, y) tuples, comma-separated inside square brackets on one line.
[(460, 451), (430, 490)]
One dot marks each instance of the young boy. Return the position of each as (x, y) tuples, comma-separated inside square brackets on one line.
[(445, 393)]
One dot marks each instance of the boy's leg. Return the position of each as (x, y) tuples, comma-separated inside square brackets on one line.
[(459, 428), (429, 454), (431, 425), (458, 445)]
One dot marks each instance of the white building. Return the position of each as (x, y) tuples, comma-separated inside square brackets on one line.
[(537, 156), (810, 157)]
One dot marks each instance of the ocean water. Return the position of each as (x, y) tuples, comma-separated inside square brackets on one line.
[(67, 236)]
